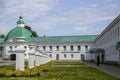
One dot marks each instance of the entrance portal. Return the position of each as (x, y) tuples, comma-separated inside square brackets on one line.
[(13, 57)]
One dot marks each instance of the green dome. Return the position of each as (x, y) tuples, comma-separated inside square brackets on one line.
[(19, 32)]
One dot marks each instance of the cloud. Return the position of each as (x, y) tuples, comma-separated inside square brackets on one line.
[(80, 19), (30, 8), (42, 15)]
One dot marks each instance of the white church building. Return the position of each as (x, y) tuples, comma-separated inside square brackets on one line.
[(64, 47)]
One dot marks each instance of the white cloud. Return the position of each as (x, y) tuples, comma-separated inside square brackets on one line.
[(30, 8), (36, 13)]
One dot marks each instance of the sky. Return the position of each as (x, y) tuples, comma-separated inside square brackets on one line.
[(59, 17)]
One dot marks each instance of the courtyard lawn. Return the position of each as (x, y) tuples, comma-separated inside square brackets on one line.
[(68, 70)]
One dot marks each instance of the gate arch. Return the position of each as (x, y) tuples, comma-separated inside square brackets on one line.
[(12, 56)]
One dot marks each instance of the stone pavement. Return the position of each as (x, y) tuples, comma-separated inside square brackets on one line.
[(114, 71)]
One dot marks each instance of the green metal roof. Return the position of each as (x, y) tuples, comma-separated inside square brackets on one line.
[(84, 38), (19, 32), (2, 40)]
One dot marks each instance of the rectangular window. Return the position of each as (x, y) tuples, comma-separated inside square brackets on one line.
[(79, 48), (25, 47), (57, 47), (72, 56), (86, 47), (71, 47), (1, 48), (50, 55), (50, 48), (65, 56), (11, 48), (44, 48), (15, 46), (64, 48)]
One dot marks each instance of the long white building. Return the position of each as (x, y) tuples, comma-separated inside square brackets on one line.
[(109, 40), (64, 47)]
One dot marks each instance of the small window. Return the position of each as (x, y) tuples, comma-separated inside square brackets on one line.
[(71, 55), (25, 54), (25, 47), (50, 48), (1, 48), (57, 47), (86, 47), (10, 47), (64, 48), (65, 56), (79, 48), (71, 48), (50, 55), (44, 48)]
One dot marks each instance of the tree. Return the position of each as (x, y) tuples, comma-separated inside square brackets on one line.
[(2, 36), (33, 32), (28, 27)]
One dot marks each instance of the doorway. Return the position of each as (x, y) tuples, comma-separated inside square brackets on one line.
[(13, 57)]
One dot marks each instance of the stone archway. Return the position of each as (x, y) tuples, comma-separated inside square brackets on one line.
[(12, 56)]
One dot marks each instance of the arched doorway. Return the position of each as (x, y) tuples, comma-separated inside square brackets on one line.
[(13, 57)]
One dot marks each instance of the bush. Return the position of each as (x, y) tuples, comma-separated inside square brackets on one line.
[(19, 73), (9, 73), (2, 72), (36, 71)]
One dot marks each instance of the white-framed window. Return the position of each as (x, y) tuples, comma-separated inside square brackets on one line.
[(50, 55), (11, 48), (86, 47), (72, 48), (79, 47), (64, 48), (50, 48), (57, 48), (72, 55), (44, 48), (65, 56)]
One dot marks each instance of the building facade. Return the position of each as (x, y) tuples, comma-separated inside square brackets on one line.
[(109, 41), (65, 47), (58, 47)]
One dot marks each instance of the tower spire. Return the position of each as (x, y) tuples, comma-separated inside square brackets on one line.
[(20, 22)]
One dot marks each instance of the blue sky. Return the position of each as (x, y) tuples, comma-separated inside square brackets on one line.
[(59, 17)]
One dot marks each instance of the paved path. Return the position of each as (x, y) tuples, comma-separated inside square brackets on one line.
[(114, 71)]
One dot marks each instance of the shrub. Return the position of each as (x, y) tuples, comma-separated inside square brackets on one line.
[(36, 71), (19, 73), (9, 73), (2, 72)]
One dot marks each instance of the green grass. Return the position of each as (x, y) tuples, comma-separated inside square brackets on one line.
[(66, 70)]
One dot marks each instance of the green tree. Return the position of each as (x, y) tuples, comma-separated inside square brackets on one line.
[(2, 36), (33, 32)]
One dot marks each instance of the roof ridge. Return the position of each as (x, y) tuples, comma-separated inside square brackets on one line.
[(68, 36)]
